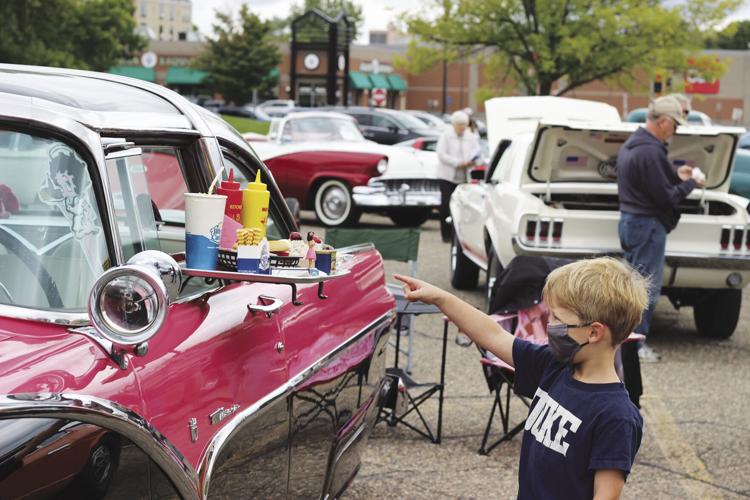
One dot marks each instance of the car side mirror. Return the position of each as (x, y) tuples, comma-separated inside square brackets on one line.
[(393, 129)]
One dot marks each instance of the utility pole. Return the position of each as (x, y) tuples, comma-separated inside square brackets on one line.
[(445, 83)]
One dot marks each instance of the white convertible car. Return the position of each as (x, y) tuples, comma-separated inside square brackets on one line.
[(322, 159), (551, 191)]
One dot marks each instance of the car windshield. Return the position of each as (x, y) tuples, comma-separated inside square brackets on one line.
[(52, 244), (408, 121), (321, 129)]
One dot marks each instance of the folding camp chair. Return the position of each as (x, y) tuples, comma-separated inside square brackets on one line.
[(399, 244), (529, 325), (403, 395)]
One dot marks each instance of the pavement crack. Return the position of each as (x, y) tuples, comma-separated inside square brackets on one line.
[(692, 478)]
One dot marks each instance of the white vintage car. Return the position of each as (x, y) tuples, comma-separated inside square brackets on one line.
[(322, 159), (552, 192)]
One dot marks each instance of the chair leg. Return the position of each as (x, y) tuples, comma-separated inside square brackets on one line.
[(495, 404)]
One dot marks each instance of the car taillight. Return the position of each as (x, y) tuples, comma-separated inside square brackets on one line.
[(418, 144), (531, 230), (737, 239), (543, 230), (725, 235), (557, 227)]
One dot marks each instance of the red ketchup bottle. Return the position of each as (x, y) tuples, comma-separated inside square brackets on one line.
[(232, 191)]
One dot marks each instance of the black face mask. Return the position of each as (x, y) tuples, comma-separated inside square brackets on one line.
[(563, 346)]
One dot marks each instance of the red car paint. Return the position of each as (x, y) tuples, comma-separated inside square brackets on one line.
[(211, 353), (297, 174)]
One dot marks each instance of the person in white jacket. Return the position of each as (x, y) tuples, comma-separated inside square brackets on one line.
[(457, 149)]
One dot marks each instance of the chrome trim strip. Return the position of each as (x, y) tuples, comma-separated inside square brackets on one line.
[(45, 316), (111, 416), (355, 249), (213, 449)]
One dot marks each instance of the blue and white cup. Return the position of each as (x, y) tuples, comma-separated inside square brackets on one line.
[(204, 216)]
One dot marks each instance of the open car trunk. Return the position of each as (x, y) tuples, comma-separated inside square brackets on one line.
[(575, 152)]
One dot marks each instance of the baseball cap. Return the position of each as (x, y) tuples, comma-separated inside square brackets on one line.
[(459, 117), (668, 106)]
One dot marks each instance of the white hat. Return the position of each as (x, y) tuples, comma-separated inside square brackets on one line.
[(459, 117), (668, 106)]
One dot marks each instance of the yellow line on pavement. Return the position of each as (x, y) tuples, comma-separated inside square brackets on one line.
[(679, 454)]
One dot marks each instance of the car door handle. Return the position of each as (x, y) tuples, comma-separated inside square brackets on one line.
[(263, 307)]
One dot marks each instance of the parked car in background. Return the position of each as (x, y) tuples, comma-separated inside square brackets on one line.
[(322, 159), (387, 126), (431, 120), (124, 374), (741, 173), (240, 111), (553, 192), (638, 115)]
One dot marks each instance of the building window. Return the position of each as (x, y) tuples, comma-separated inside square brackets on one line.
[(144, 8), (182, 36), (377, 38)]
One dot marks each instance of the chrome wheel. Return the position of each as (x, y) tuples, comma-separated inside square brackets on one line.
[(101, 464)]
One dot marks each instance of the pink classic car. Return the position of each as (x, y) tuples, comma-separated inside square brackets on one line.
[(123, 375)]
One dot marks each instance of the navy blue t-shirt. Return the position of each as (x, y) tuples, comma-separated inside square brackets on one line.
[(573, 428)]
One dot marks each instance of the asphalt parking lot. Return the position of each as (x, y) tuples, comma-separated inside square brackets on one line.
[(696, 409)]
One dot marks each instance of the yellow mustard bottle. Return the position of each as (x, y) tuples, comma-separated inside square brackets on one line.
[(255, 198)]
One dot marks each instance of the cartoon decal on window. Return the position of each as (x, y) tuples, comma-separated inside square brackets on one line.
[(68, 186)]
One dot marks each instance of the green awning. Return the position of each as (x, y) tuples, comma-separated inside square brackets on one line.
[(397, 83), (185, 76), (359, 81), (139, 72), (379, 81)]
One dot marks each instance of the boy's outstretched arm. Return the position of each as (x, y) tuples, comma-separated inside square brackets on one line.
[(471, 321)]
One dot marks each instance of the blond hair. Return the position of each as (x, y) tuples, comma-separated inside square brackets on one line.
[(602, 289)]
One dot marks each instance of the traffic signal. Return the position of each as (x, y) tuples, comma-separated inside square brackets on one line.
[(657, 84)]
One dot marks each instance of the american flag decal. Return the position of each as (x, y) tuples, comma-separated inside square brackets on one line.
[(576, 161)]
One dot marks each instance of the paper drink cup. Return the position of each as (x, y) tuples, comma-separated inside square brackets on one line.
[(204, 216)]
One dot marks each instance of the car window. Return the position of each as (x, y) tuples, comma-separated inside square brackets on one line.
[(362, 119), (505, 165), (383, 121), (405, 120), (273, 231), (321, 129), (52, 240), (133, 205)]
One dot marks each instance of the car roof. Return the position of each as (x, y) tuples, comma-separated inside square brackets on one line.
[(318, 114), (100, 101)]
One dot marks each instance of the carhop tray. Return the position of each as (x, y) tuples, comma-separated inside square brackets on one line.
[(278, 276)]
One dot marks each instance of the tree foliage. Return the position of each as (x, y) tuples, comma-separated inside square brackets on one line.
[(736, 36), (241, 56), (85, 34), (540, 44), (332, 8)]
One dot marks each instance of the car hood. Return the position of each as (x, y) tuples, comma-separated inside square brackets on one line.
[(403, 163), (586, 152)]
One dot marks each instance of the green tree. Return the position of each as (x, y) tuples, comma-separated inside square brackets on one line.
[(332, 8), (736, 36), (85, 34), (539, 43), (241, 56)]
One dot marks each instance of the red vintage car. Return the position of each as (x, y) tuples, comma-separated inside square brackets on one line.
[(322, 159), (124, 374)]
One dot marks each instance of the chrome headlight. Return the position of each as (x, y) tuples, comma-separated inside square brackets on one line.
[(128, 304), (382, 165)]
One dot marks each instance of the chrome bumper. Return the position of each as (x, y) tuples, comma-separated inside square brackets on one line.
[(376, 196), (704, 261)]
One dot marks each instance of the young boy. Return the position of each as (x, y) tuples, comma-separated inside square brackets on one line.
[(582, 432)]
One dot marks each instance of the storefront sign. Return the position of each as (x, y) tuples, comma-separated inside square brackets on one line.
[(149, 59)]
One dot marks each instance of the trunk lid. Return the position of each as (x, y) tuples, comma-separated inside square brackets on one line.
[(566, 151)]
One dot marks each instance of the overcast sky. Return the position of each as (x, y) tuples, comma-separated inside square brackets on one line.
[(377, 13)]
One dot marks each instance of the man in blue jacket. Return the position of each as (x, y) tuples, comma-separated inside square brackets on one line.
[(650, 189)]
